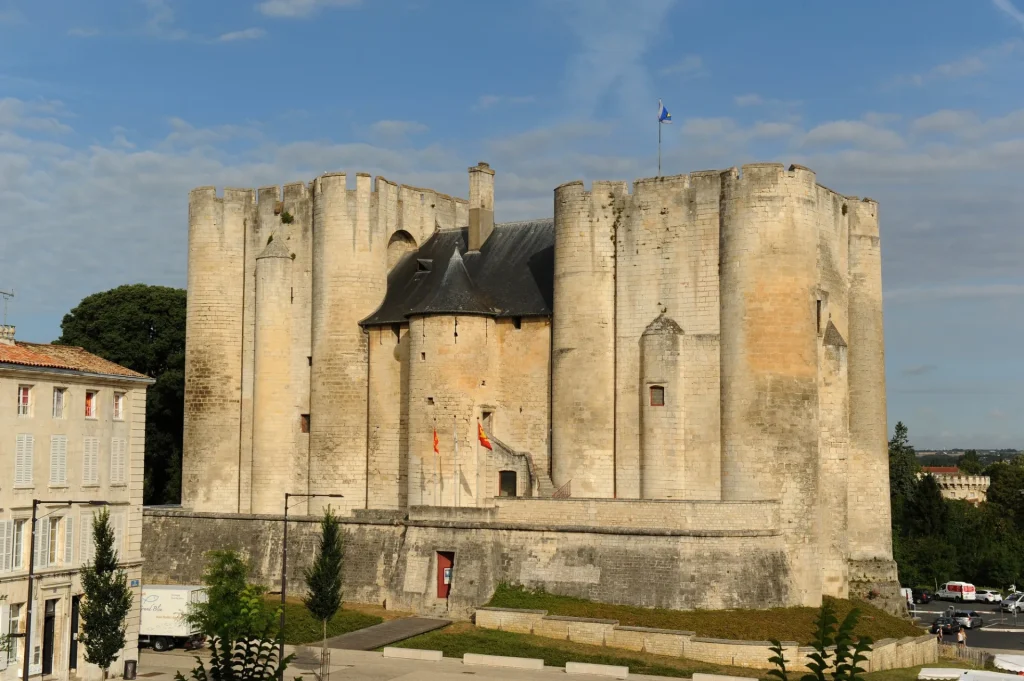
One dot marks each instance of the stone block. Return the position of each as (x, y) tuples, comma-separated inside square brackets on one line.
[(413, 654), (476, 659), (596, 669)]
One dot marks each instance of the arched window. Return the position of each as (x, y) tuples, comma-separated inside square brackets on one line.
[(401, 242)]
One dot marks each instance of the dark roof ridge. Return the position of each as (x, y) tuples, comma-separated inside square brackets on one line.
[(455, 294)]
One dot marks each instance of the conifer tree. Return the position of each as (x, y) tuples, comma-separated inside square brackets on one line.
[(323, 577), (107, 598)]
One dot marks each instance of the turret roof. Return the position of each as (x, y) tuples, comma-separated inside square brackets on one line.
[(455, 294)]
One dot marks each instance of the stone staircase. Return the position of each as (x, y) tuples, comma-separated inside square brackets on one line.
[(541, 485)]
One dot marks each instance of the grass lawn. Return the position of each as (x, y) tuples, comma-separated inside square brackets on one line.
[(461, 638), (785, 624), (300, 627)]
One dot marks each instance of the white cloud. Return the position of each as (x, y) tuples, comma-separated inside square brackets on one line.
[(609, 65), (853, 133), (967, 65), (245, 34), (944, 121), (688, 67), (1010, 10), (19, 114), (297, 9), (160, 21), (396, 131), (748, 100), (489, 101)]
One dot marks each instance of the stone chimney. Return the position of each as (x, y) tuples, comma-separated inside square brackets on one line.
[(481, 204), (6, 335)]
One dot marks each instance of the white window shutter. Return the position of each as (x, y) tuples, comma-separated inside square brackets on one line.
[(85, 549), (90, 461), (42, 541), (58, 459), (117, 461), (5, 617), (118, 527), (69, 540), (24, 452), (6, 557)]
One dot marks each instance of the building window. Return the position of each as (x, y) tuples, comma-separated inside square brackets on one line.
[(118, 461), (517, 322), (818, 316), (507, 483), (51, 544), (18, 545), (304, 423), (11, 627), (90, 404), (24, 400), (24, 453), (59, 460), (657, 396), (488, 420), (58, 402), (119, 406), (91, 461)]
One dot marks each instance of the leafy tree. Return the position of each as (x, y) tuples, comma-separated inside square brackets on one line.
[(1006, 488), (143, 328), (969, 463), (107, 598), (926, 510), (323, 577), (903, 470), (834, 649), (234, 609)]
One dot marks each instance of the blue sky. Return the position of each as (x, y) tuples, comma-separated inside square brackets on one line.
[(111, 111)]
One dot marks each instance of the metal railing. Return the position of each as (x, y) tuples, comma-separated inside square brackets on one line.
[(563, 492)]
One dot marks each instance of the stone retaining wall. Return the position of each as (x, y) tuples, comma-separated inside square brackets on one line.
[(885, 654)]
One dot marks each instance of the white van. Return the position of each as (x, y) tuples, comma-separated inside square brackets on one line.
[(956, 591)]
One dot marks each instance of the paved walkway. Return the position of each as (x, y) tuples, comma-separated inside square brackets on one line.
[(386, 633), (357, 665)]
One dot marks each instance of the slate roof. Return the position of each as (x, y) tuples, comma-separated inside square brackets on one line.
[(64, 357), (511, 276)]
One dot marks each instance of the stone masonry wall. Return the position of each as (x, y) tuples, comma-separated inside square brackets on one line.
[(213, 347), (666, 251), (394, 562), (388, 454)]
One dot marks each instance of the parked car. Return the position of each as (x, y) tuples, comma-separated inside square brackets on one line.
[(947, 624), (921, 596), (956, 591), (968, 619), (1013, 603), (988, 596)]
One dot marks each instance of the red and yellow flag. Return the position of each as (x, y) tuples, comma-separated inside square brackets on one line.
[(484, 442), (436, 450)]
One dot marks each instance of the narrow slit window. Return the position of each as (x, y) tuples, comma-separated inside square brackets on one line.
[(304, 423), (657, 396), (818, 316)]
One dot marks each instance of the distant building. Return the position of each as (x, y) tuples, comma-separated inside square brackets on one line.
[(956, 485), (72, 427)]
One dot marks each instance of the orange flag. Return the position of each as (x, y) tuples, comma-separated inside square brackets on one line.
[(484, 442), (436, 450)]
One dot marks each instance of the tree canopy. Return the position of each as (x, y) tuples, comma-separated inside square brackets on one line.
[(937, 539), (107, 598), (142, 328)]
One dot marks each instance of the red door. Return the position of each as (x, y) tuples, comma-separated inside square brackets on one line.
[(445, 563)]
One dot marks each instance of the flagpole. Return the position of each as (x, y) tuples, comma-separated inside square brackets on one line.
[(437, 476), (659, 147)]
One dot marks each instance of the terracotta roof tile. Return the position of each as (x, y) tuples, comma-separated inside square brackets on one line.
[(941, 469), (62, 357)]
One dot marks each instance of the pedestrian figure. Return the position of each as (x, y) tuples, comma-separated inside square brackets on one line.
[(938, 634), (961, 638)]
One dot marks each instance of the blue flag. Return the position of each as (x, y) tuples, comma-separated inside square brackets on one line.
[(663, 115)]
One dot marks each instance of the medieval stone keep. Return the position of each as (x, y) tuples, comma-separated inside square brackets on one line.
[(682, 385)]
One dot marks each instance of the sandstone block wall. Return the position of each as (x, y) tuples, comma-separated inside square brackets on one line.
[(388, 417), (394, 562)]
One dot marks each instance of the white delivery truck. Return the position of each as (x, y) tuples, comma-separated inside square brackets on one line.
[(163, 624)]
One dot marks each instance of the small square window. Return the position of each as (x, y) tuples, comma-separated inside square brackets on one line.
[(657, 396), (423, 356), (90, 404), (24, 400), (119, 406)]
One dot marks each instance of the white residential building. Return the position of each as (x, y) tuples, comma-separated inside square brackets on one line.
[(72, 428)]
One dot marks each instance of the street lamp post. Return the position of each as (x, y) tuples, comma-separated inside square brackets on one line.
[(284, 562), (31, 566)]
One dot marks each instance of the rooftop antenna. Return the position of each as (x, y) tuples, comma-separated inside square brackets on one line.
[(7, 295)]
